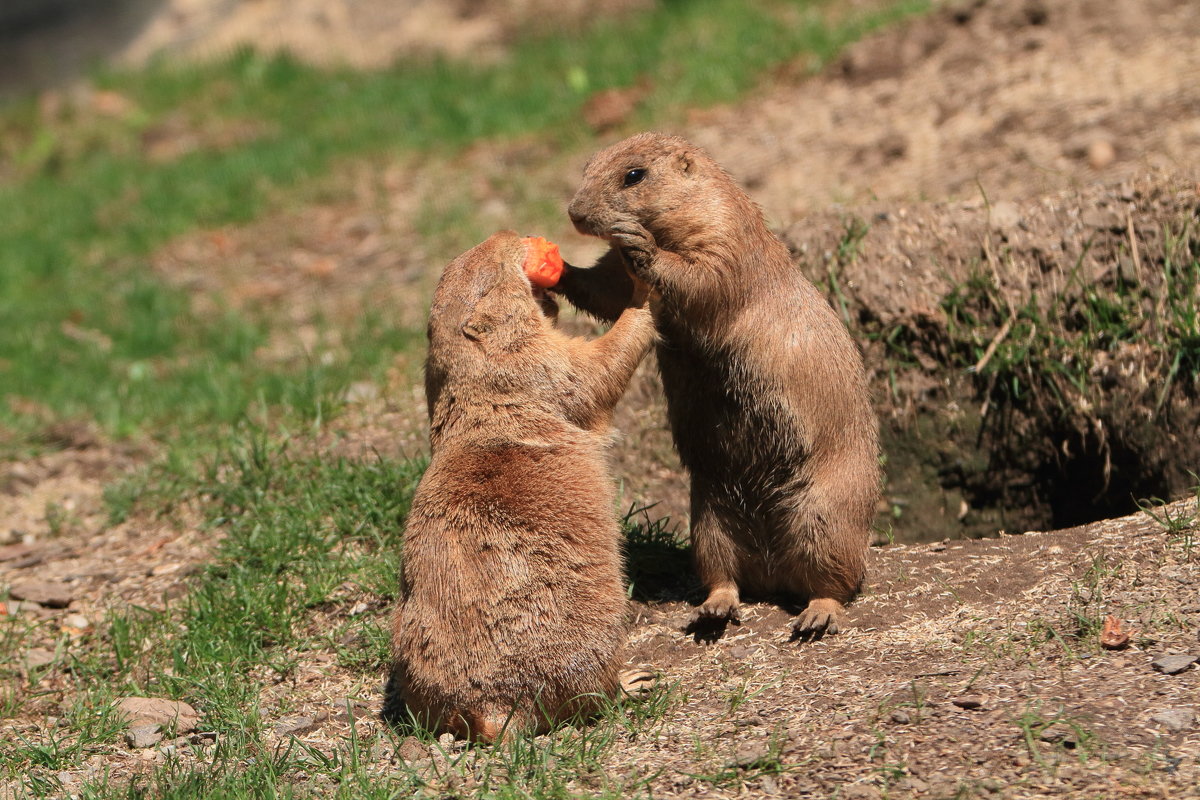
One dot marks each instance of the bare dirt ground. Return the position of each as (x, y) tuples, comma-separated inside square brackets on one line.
[(971, 669), (1008, 100)]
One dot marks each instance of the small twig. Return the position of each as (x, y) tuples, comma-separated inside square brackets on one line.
[(1133, 245), (991, 348)]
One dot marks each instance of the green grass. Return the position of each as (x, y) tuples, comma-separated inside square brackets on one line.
[(92, 335), (1054, 738), (298, 528), (300, 532), (1042, 348), (306, 539), (1180, 524)]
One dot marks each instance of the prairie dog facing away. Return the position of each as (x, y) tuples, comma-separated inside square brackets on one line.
[(512, 602), (766, 394)]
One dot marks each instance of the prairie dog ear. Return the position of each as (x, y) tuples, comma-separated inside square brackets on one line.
[(685, 160), (477, 327), (499, 321), (487, 312)]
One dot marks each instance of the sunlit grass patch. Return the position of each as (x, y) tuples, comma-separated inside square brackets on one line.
[(88, 194)]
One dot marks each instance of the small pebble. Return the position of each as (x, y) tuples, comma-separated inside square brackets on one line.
[(294, 726), (1101, 153), (1171, 665), (969, 702), (76, 621), (1060, 734), (141, 736), (749, 754)]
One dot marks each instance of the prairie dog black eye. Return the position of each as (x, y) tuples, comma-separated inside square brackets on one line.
[(634, 176)]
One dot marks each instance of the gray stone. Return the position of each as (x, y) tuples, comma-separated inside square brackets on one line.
[(1170, 665), (750, 754), (1059, 733), (36, 657), (411, 749), (12, 552), (51, 594), (1175, 719), (969, 702), (901, 717), (295, 726), (142, 736)]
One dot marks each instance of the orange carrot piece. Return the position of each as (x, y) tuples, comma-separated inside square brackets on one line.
[(543, 263)]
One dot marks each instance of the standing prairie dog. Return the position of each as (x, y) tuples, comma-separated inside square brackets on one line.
[(512, 601), (766, 393)]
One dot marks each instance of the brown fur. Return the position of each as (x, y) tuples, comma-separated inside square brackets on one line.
[(766, 393), (512, 605)]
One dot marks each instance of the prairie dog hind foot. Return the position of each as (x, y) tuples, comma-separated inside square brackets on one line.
[(822, 616)]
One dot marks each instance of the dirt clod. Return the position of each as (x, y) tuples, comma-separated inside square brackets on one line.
[(412, 749), (174, 714)]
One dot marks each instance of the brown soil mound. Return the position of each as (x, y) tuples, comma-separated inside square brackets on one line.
[(1008, 98), (1037, 361)]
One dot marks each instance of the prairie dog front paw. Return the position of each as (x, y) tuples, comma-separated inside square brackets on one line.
[(636, 245)]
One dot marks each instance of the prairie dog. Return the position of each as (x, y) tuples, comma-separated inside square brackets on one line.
[(512, 602), (766, 393)]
